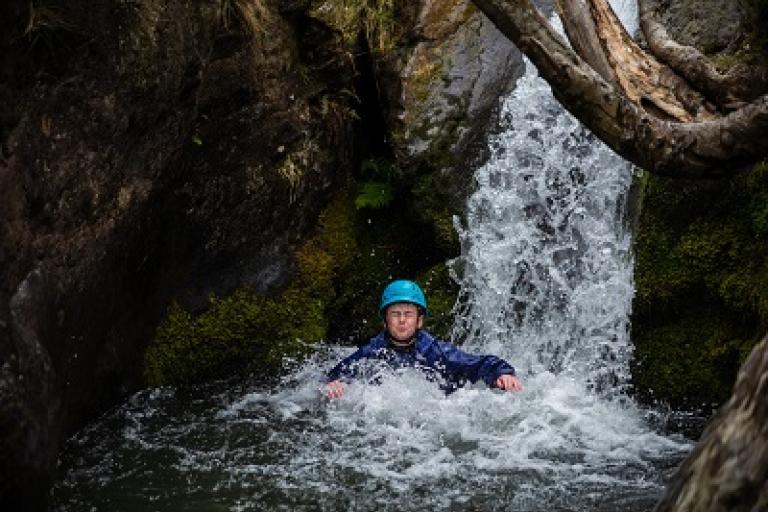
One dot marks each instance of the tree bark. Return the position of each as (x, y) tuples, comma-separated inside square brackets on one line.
[(727, 471), (638, 75), (706, 149), (582, 33), (731, 90)]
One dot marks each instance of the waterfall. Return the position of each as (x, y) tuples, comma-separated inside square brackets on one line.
[(546, 282), (546, 266)]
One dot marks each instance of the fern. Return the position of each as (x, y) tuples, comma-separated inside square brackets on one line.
[(374, 194), (376, 178)]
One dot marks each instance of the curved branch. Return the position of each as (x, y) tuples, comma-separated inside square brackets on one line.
[(691, 150), (740, 85), (645, 80)]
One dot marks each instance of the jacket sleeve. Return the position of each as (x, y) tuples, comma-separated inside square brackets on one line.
[(460, 365), (347, 368)]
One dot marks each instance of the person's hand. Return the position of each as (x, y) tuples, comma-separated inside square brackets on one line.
[(334, 389), (509, 383)]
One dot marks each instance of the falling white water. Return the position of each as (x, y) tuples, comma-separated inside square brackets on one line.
[(546, 283), (547, 270)]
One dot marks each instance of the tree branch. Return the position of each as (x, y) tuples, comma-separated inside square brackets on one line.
[(731, 90), (582, 34), (642, 78), (691, 150)]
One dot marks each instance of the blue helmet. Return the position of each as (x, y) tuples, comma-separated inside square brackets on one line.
[(403, 290)]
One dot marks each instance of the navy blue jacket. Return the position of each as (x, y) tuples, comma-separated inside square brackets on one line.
[(439, 359)]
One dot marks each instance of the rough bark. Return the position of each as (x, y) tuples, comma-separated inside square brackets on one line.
[(727, 470), (729, 90), (582, 33), (692, 150), (637, 74)]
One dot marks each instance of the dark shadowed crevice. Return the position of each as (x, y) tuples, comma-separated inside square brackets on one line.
[(371, 137)]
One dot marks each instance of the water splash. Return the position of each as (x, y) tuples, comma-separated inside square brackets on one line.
[(546, 270)]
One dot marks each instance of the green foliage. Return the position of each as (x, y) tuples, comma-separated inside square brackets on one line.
[(377, 189), (374, 195), (702, 283), (376, 18), (247, 331)]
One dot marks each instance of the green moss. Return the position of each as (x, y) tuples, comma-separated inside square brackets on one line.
[(441, 292), (249, 331), (701, 279), (339, 274), (422, 79), (238, 328), (692, 360), (377, 18), (436, 206), (377, 177)]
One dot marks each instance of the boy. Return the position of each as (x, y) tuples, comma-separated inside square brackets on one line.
[(403, 343)]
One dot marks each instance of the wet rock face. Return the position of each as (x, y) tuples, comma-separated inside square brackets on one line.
[(164, 146), (693, 23), (448, 95)]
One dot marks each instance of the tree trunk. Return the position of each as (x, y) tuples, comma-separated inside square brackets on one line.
[(728, 469)]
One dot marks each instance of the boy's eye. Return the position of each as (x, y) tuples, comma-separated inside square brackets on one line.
[(402, 314)]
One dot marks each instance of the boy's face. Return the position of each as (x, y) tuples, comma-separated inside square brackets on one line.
[(402, 320)]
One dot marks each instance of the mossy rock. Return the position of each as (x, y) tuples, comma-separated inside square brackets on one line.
[(441, 291), (250, 332), (378, 20), (339, 274), (702, 285)]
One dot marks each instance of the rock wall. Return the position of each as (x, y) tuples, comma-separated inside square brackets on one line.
[(440, 71), (156, 149), (157, 152), (445, 102)]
